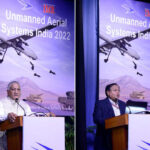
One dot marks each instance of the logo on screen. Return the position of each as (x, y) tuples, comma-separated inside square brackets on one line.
[(146, 143), (48, 8), (25, 5), (45, 147), (128, 9), (147, 12)]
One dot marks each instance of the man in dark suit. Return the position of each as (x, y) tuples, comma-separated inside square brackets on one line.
[(111, 106)]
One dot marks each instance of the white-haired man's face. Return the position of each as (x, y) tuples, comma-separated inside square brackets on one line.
[(14, 92)]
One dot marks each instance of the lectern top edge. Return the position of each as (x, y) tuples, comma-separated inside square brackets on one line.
[(7, 125), (116, 121)]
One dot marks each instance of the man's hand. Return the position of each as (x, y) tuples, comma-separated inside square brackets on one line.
[(12, 117), (50, 114)]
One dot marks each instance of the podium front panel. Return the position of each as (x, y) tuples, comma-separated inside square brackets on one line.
[(43, 133), (139, 132)]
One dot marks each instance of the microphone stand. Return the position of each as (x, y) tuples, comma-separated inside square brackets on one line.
[(38, 105), (16, 100), (130, 112)]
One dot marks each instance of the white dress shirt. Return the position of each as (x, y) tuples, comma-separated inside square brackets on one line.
[(8, 105), (115, 107)]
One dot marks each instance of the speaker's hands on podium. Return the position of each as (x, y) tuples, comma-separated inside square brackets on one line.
[(11, 117), (50, 114)]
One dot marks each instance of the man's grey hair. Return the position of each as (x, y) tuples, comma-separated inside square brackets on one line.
[(10, 84)]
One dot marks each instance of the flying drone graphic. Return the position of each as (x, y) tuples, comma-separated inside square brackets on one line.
[(20, 45), (123, 45)]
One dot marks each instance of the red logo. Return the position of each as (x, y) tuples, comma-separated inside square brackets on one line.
[(147, 12), (49, 9)]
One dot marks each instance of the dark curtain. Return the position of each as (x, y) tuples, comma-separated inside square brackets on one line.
[(80, 82), (87, 37), (90, 40)]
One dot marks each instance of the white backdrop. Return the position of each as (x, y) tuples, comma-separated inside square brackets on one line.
[(43, 133), (139, 132)]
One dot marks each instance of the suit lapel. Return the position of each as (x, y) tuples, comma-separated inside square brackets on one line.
[(109, 108), (121, 108)]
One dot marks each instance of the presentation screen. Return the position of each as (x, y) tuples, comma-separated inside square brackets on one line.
[(124, 58), (37, 50)]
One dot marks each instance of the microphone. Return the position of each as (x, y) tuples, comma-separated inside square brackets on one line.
[(16, 100), (130, 112), (38, 105)]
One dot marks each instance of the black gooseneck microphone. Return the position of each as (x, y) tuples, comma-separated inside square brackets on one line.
[(39, 106), (16, 100)]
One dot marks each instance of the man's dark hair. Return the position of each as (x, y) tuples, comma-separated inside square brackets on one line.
[(108, 87)]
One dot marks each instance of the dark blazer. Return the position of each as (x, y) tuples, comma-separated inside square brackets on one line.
[(103, 110)]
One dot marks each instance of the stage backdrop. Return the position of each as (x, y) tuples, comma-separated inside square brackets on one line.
[(41, 60), (125, 37)]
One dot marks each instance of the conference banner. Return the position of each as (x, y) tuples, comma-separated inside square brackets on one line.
[(37, 50), (124, 58)]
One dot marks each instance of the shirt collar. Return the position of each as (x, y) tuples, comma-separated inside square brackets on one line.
[(112, 102), (12, 100)]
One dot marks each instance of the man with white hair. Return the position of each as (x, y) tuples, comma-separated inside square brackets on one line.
[(11, 107)]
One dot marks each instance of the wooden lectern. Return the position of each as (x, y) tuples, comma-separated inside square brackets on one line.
[(119, 127), (28, 133), (14, 133)]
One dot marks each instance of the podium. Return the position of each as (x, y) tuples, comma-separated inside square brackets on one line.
[(28, 133), (119, 127), (14, 133), (130, 131)]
